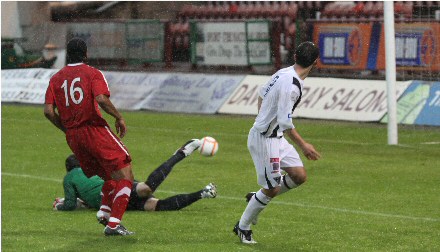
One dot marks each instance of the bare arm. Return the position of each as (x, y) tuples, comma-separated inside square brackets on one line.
[(308, 149), (105, 103), (53, 117)]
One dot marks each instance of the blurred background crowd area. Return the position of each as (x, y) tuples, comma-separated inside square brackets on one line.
[(44, 27)]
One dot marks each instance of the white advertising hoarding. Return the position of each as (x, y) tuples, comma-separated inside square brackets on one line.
[(165, 92), (228, 43), (323, 98), (191, 93), (244, 99), (25, 85)]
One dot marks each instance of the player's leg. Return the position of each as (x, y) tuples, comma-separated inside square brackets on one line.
[(294, 177), (114, 165), (90, 166), (293, 166), (160, 173), (180, 201), (265, 154), (107, 194), (124, 182), (291, 163)]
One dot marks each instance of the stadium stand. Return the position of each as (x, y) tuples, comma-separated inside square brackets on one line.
[(285, 12), (293, 19)]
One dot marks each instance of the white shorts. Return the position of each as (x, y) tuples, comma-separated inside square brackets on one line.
[(270, 156)]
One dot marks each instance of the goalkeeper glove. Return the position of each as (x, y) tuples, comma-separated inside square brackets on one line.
[(80, 204), (57, 202)]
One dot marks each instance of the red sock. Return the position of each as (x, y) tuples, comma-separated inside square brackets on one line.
[(107, 193), (120, 202)]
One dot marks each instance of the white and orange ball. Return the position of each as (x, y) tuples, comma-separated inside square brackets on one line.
[(208, 147)]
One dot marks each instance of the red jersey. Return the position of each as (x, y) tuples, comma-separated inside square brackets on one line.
[(73, 90)]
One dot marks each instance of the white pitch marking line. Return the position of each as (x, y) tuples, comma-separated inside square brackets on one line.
[(430, 143), (344, 210)]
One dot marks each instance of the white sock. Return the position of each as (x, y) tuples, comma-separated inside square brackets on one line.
[(257, 203), (104, 211), (286, 184)]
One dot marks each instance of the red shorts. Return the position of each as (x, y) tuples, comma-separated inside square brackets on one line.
[(99, 151)]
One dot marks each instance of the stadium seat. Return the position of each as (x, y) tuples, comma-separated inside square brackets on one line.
[(428, 4), (249, 10), (292, 11), (266, 10), (220, 10), (231, 10), (358, 10), (187, 11), (329, 10), (244, 10), (318, 6), (407, 9), (257, 10), (398, 7), (210, 10), (378, 9), (346, 9), (200, 12), (290, 15), (368, 9), (276, 10), (339, 10), (283, 9)]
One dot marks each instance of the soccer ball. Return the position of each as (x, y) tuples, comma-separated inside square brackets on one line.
[(209, 146)]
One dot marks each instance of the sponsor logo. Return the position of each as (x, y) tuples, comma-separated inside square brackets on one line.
[(289, 115), (271, 85), (428, 47), (275, 162), (354, 47)]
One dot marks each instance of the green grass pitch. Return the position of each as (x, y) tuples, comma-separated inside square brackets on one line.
[(363, 195)]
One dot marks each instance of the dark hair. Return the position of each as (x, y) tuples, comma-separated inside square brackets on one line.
[(306, 54), (71, 162), (76, 51)]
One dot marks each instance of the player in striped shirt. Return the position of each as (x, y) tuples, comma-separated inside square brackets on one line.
[(269, 149)]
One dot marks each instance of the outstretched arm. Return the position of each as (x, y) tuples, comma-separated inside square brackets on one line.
[(308, 149), (105, 103), (53, 117), (70, 202)]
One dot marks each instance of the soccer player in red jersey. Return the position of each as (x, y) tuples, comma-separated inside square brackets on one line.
[(71, 104)]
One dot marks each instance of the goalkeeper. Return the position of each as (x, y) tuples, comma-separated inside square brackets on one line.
[(83, 192)]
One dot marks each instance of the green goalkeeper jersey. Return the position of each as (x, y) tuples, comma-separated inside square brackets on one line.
[(77, 185)]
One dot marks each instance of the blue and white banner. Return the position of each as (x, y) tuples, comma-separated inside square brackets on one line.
[(192, 93), (130, 90), (430, 113), (167, 92), (419, 104)]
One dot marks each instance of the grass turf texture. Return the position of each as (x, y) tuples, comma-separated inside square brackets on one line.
[(361, 196)]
